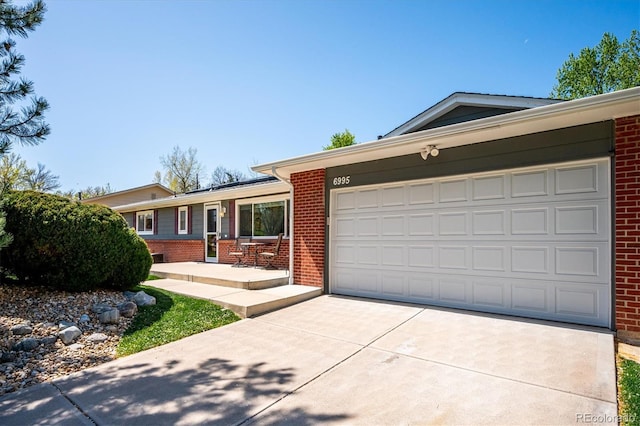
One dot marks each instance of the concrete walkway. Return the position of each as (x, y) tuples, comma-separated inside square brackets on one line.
[(345, 361)]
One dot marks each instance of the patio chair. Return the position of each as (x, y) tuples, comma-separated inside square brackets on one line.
[(239, 251), (269, 254)]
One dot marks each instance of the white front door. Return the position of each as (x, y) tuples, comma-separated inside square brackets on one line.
[(530, 242), (211, 230)]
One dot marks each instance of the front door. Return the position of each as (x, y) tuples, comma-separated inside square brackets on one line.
[(211, 229)]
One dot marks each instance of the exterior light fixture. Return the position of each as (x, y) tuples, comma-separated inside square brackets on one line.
[(429, 150)]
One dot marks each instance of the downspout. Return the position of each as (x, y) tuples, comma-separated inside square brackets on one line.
[(288, 182)]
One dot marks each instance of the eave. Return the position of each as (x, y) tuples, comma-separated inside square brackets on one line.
[(560, 115)]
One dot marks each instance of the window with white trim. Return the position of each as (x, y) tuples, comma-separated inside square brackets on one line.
[(144, 222), (265, 217), (183, 220)]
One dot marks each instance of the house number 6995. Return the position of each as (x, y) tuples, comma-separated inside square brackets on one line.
[(341, 180)]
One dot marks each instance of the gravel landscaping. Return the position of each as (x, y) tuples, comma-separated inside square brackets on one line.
[(41, 312)]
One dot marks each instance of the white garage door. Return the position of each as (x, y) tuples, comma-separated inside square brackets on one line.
[(532, 242)]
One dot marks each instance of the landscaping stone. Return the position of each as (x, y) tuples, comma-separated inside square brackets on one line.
[(21, 329), (65, 324), (7, 357), (97, 337), (27, 344), (44, 309), (84, 318), (69, 335), (49, 340), (112, 316), (101, 307), (128, 309), (143, 299)]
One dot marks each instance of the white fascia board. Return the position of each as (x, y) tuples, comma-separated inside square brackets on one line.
[(550, 117), (271, 188), (468, 99)]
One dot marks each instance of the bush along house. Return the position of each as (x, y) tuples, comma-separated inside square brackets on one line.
[(501, 204), (202, 225)]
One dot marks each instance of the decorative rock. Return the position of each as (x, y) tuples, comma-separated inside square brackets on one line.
[(46, 341), (143, 299), (101, 307), (112, 316), (7, 357), (128, 309), (65, 324), (84, 318), (27, 344), (129, 294), (21, 329), (111, 328), (98, 337), (76, 346), (68, 335)]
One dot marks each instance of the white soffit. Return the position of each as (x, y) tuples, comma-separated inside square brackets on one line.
[(566, 114)]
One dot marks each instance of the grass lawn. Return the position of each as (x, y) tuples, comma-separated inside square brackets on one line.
[(629, 388), (173, 317)]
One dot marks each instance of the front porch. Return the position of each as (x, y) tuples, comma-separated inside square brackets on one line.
[(246, 291), (222, 274)]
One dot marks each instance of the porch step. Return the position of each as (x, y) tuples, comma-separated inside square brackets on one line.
[(246, 303), (221, 275)]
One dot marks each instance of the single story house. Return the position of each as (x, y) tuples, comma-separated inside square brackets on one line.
[(202, 225), (500, 204), (141, 193)]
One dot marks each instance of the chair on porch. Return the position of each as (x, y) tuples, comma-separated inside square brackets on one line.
[(239, 252), (269, 254)]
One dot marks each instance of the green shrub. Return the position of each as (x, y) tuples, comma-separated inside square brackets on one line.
[(68, 245)]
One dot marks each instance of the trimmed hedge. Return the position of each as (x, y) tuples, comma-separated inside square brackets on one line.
[(72, 246)]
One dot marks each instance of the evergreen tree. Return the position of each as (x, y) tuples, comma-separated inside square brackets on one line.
[(21, 112)]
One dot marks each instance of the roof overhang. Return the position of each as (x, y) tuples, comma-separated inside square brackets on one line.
[(128, 191), (234, 193), (550, 117), (468, 99)]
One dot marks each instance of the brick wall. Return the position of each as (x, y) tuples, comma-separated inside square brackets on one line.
[(309, 222), (627, 226), (178, 250), (281, 262)]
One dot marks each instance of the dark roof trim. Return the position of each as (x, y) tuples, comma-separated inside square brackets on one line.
[(467, 99)]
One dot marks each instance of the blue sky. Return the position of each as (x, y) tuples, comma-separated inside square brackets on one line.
[(247, 82)]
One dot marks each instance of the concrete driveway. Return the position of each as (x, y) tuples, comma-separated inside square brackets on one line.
[(345, 360)]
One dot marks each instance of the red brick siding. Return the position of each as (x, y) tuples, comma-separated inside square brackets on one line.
[(309, 222), (282, 261), (178, 250), (627, 225)]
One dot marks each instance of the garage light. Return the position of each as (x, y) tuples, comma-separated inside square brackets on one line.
[(429, 150)]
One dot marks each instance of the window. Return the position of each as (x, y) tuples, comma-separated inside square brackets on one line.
[(183, 220), (144, 222), (263, 219)]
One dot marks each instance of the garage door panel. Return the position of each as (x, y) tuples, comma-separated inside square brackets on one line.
[(555, 261), (488, 187), (393, 285), (489, 222), (532, 183), (453, 223), (491, 294), (577, 179), (532, 242)]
